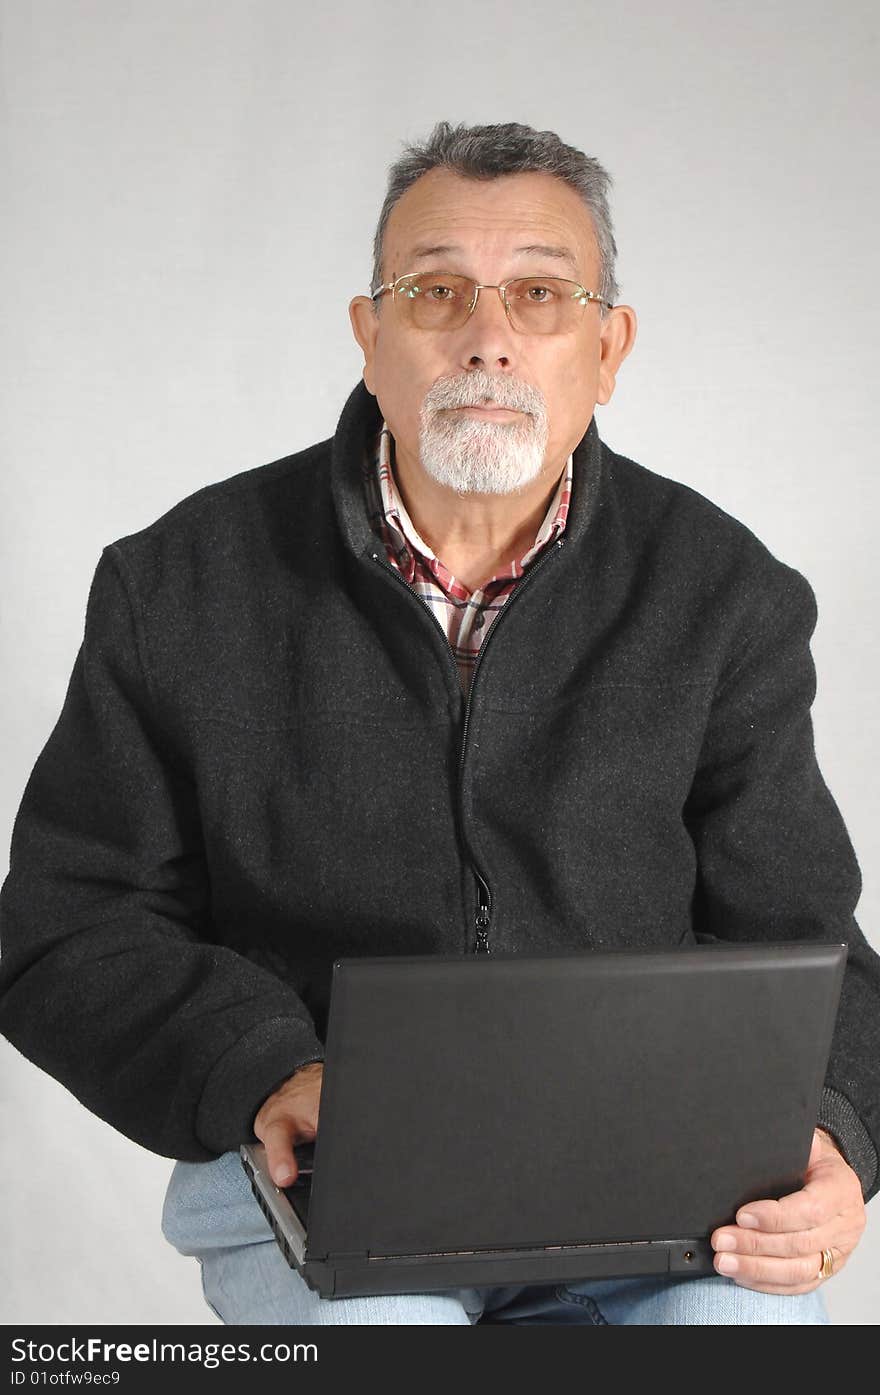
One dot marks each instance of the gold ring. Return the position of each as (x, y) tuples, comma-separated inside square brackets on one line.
[(827, 1265)]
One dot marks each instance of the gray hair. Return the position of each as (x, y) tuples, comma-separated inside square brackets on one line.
[(484, 152)]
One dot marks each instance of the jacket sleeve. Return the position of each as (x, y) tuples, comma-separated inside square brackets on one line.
[(774, 858), (109, 979)]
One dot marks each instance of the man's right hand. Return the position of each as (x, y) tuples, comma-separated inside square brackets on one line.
[(290, 1116)]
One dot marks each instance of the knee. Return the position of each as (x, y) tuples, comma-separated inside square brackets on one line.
[(209, 1206)]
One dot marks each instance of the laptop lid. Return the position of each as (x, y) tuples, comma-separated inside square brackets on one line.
[(510, 1101)]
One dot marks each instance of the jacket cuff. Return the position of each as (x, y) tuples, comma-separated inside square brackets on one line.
[(246, 1075), (837, 1117)]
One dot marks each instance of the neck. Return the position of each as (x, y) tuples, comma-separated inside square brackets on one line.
[(475, 535)]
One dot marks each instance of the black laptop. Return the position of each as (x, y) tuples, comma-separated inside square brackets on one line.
[(514, 1119)]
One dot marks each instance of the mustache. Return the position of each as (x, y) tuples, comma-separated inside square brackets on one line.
[(478, 389)]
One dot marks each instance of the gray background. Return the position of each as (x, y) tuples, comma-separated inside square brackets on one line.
[(194, 188)]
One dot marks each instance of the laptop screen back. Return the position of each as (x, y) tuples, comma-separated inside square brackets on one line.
[(511, 1101)]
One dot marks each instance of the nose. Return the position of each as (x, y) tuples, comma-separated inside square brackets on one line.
[(487, 338)]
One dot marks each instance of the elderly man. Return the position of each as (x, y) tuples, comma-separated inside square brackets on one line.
[(459, 679)]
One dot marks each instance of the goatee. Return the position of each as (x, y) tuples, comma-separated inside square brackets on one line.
[(482, 457)]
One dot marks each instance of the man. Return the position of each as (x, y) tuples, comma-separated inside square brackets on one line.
[(460, 679)]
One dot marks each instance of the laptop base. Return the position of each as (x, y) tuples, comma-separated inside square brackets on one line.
[(362, 1276), (342, 1278)]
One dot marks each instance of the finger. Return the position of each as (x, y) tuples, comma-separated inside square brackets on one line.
[(788, 1244), (823, 1146), (801, 1272), (830, 1189), (278, 1139), (781, 1288), (814, 1205), (790, 1290)]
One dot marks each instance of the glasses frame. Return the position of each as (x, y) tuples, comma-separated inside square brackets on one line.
[(583, 297)]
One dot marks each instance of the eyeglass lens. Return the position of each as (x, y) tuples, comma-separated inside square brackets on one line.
[(537, 305)]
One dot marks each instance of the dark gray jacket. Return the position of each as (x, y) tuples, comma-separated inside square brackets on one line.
[(265, 762)]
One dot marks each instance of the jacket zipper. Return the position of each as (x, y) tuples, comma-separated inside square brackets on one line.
[(483, 916)]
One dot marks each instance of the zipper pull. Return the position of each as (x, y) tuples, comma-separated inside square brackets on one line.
[(483, 916)]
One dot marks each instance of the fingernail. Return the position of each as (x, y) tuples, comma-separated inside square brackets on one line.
[(750, 1222), (725, 1242), (727, 1264), (284, 1177)]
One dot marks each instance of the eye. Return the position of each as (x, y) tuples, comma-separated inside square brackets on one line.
[(538, 294), (440, 291)]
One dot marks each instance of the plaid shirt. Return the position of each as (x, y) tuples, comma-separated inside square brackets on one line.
[(466, 616)]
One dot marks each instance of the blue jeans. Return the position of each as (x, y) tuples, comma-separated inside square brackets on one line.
[(211, 1214)]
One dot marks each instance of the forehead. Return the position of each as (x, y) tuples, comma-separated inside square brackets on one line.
[(490, 215)]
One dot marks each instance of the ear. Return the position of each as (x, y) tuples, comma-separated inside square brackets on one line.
[(365, 324), (616, 338)]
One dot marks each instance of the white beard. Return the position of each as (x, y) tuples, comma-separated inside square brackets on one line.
[(482, 457)]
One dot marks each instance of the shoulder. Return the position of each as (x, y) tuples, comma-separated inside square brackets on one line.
[(692, 544), (651, 502), (234, 526), (236, 496)]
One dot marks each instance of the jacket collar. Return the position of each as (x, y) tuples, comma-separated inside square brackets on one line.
[(361, 419)]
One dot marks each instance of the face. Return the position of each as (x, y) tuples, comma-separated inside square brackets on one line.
[(490, 230)]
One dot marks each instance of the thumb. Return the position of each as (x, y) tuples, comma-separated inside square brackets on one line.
[(823, 1146), (279, 1139)]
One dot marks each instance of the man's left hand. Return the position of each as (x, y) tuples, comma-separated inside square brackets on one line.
[(781, 1250)]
